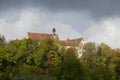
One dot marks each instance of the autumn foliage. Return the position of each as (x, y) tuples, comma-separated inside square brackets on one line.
[(46, 60)]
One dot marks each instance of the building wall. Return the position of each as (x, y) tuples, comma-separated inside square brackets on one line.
[(79, 48)]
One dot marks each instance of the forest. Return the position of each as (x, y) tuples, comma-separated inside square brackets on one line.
[(27, 59)]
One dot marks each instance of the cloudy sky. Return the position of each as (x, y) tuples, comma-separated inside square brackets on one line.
[(95, 20)]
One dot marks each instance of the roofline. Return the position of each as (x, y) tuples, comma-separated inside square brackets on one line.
[(39, 33)]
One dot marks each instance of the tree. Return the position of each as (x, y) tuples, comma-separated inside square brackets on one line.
[(116, 61), (97, 61), (70, 68), (2, 40), (47, 56)]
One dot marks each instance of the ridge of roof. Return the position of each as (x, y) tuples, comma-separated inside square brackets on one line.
[(39, 33), (39, 36)]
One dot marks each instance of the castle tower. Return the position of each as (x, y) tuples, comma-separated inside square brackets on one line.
[(54, 34), (54, 31)]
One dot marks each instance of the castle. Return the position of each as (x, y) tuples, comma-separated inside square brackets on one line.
[(78, 43)]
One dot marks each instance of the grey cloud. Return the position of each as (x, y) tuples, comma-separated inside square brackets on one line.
[(98, 8), (105, 31), (34, 20), (70, 17)]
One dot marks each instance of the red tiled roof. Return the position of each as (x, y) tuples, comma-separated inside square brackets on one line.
[(39, 36), (71, 42)]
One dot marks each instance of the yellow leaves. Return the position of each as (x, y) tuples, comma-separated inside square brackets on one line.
[(29, 59), (32, 69)]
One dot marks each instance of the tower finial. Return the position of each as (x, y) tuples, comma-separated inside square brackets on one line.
[(54, 30)]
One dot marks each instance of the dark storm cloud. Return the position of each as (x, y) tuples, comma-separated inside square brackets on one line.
[(98, 8)]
